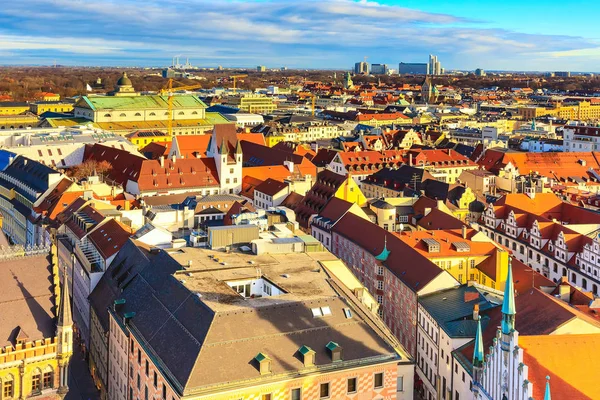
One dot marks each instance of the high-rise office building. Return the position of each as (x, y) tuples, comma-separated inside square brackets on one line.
[(413, 68), (361, 68), (435, 68), (379, 69)]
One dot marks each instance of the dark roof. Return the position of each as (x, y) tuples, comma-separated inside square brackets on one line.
[(453, 308), (13, 104), (437, 219), (382, 204), (324, 157), (271, 187), (335, 209), (324, 188), (29, 172), (5, 158), (405, 262), (292, 200)]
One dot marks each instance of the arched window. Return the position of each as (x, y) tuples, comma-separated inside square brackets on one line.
[(8, 387), (107, 115), (152, 114), (36, 381), (122, 115), (180, 113), (48, 378), (138, 114), (195, 113)]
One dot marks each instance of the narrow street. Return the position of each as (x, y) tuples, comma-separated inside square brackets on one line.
[(81, 385)]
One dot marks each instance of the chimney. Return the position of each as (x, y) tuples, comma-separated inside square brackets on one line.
[(173, 158), (475, 312), (464, 231), (564, 291), (410, 159), (161, 160)]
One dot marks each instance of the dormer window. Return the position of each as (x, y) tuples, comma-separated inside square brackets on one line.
[(264, 363), (335, 350)]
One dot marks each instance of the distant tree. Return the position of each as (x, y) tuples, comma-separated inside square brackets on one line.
[(91, 167)]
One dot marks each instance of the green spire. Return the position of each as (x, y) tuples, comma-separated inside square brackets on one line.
[(508, 304), (224, 150), (548, 395), (238, 149), (478, 352), (383, 256)]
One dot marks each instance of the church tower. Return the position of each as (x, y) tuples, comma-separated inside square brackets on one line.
[(508, 309), (478, 359), (64, 336)]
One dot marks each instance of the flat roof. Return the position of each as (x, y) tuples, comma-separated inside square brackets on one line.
[(300, 275)]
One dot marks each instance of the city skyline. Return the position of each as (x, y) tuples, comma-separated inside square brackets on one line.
[(246, 33)]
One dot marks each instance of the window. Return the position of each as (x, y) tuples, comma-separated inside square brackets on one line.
[(155, 379), (400, 384), (378, 380), (463, 376), (456, 396), (164, 392), (36, 382), (8, 389), (296, 394), (380, 285), (146, 392), (352, 385), (47, 378), (139, 357), (147, 367), (131, 371), (324, 391), (132, 346), (139, 385)]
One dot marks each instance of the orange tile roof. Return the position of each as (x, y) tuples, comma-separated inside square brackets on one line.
[(445, 238), (568, 360)]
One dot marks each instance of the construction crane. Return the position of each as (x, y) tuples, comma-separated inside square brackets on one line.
[(313, 102), (169, 92), (235, 77)]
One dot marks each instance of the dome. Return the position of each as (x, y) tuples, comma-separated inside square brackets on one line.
[(124, 80)]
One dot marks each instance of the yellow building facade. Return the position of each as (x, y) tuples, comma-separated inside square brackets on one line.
[(583, 110), (350, 191), (143, 138), (40, 108), (34, 367), (13, 108)]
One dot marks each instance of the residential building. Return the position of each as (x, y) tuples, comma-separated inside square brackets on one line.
[(326, 186), (361, 357), (444, 165), (270, 193), (392, 182), (581, 138), (24, 184), (36, 328), (547, 235), (142, 138), (446, 322), (360, 164), (322, 224), (391, 270), (87, 242)]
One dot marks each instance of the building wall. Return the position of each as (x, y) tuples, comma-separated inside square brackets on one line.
[(279, 390), (118, 360), (39, 356), (398, 303), (98, 360), (350, 191)]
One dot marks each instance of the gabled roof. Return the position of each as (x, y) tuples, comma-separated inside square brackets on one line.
[(271, 187), (415, 270), (109, 238)]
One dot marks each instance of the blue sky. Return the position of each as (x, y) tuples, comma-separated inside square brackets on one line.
[(465, 34)]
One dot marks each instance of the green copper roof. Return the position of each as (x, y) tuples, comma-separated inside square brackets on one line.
[(332, 346), (478, 352), (548, 395), (304, 350), (508, 304), (142, 102), (260, 357), (216, 118), (385, 253)]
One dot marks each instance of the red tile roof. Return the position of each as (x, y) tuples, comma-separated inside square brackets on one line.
[(109, 237)]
